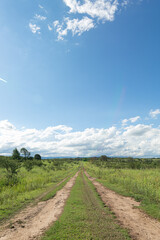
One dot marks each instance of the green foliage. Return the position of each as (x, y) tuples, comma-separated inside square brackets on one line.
[(30, 163), (24, 186), (11, 166), (25, 152), (103, 158), (121, 163), (37, 157), (16, 154)]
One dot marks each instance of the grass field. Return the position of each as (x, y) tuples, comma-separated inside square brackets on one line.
[(30, 185), (143, 185), (85, 217)]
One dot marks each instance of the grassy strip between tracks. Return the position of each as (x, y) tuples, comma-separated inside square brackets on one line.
[(41, 192), (85, 217)]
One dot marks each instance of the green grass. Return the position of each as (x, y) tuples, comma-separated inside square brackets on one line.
[(142, 185), (85, 217), (29, 187)]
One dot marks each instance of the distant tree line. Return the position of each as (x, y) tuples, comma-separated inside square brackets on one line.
[(126, 162), (17, 160)]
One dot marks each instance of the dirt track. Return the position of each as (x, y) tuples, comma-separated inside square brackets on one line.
[(33, 221), (140, 225)]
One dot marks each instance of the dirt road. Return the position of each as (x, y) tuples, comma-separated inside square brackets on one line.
[(140, 225), (33, 221)]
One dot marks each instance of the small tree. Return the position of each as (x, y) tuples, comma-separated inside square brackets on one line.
[(37, 157), (15, 154), (103, 158), (25, 152), (11, 167)]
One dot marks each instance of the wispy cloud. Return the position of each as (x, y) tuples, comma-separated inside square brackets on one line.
[(34, 28), (3, 80), (131, 120), (40, 6), (154, 113), (50, 28), (40, 17), (76, 26)]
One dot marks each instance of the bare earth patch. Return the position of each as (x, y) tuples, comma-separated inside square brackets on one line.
[(33, 221), (140, 225)]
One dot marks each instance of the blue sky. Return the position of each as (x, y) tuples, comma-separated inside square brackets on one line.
[(87, 65)]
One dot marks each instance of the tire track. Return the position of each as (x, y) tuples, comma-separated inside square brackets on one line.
[(33, 221), (140, 225)]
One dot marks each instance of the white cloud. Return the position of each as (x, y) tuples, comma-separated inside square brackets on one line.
[(49, 28), (154, 113), (132, 120), (34, 28), (76, 26), (3, 80), (40, 6), (138, 140), (101, 9), (88, 14), (124, 121), (125, 3), (39, 17), (56, 23)]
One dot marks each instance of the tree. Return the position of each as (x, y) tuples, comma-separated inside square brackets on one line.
[(37, 157), (25, 152), (15, 154), (11, 167), (103, 158)]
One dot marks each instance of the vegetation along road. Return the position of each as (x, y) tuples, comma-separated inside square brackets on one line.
[(75, 199)]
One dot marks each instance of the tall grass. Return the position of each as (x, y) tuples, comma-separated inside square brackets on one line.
[(29, 186), (143, 185)]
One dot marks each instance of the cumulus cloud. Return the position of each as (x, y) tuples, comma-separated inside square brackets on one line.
[(131, 120), (76, 26), (101, 9), (135, 140), (80, 16), (154, 113), (90, 13), (3, 80), (34, 28)]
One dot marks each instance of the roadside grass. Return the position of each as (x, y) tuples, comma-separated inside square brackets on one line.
[(31, 185), (142, 185), (85, 217)]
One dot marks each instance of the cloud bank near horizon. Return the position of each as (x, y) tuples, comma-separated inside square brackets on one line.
[(132, 139)]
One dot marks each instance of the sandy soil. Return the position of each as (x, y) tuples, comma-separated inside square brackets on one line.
[(140, 225), (33, 221)]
